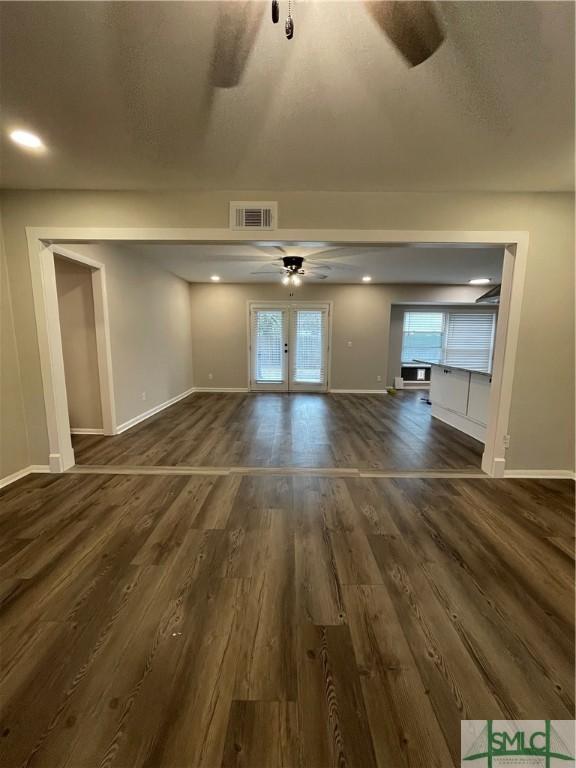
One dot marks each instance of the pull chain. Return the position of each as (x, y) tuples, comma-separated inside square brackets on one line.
[(289, 26)]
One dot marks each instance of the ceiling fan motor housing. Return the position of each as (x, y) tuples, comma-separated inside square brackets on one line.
[(293, 264)]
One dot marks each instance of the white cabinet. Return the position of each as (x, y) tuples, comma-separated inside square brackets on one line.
[(460, 398), (478, 398), (449, 388)]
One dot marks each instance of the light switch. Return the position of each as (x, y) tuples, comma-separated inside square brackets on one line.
[(348, 343)]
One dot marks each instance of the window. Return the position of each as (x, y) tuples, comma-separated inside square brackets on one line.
[(459, 338), (422, 337), (469, 340)]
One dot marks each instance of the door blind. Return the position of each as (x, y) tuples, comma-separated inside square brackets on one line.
[(268, 337), (309, 340), (470, 340)]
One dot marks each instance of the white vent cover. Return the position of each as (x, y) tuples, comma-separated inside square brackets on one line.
[(251, 214)]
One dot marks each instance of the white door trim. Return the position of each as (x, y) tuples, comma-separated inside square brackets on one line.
[(515, 242), (61, 452)]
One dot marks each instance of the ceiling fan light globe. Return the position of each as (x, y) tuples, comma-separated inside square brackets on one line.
[(285, 280), (296, 281)]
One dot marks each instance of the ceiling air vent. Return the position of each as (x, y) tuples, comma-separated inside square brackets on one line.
[(253, 215)]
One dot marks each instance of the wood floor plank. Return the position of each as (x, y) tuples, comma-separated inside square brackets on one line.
[(192, 687), (566, 544), (455, 685), (525, 690), (403, 724), (318, 588), (451, 535), (266, 668), (332, 715), (215, 511), (262, 733), (355, 563), (177, 517)]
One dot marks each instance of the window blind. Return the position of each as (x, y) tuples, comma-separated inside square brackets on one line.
[(268, 337), (422, 336), (470, 339), (308, 338)]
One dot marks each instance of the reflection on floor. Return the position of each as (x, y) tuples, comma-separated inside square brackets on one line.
[(289, 430), (267, 621)]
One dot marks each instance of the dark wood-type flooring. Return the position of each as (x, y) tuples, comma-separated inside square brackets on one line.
[(381, 432), (266, 620)]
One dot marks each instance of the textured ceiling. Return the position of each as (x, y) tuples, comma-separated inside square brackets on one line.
[(237, 263), (123, 95)]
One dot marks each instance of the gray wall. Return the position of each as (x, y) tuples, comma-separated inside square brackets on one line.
[(150, 330), (361, 315), (78, 330), (14, 449), (542, 413)]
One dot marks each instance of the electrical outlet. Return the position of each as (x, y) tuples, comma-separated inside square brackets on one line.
[(143, 395), (378, 378), (506, 441), (348, 343), (210, 377)]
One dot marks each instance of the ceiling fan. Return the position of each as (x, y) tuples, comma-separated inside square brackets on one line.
[(292, 270), (292, 267), (412, 26)]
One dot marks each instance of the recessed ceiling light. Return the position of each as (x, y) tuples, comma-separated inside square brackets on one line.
[(479, 281), (215, 278), (366, 279), (27, 139)]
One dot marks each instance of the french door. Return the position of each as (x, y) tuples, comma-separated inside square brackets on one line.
[(289, 347)]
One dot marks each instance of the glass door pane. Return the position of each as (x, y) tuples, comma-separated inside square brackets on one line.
[(269, 343), (308, 349)]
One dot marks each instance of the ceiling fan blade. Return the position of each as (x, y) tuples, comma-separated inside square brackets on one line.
[(273, 250), (333, 255), (335, 265), (242, 260), (314, 277), (411, 25), (236, 30), (271, 272)]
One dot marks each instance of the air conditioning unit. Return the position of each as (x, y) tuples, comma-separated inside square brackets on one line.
[(251, 214)]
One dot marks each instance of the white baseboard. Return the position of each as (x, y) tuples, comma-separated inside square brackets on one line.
[(496, 468), (4, 481), (157, 408), (221, 389), (357, 391), (541, 474), (55, 463), (87, 431)]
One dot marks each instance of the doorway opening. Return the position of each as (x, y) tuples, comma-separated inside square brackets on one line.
[(308, 361), (79, 331), (79, 346)]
